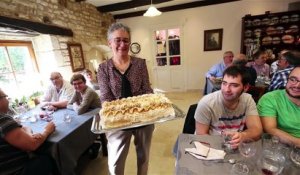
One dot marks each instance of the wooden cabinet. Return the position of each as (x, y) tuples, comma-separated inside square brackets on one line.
[(271, 31)]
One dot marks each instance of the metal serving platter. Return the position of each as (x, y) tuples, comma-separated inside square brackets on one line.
[(97, 129)]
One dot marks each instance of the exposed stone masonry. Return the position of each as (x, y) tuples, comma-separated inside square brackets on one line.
[(88, 25)]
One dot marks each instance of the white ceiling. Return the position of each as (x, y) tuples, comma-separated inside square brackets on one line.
[(98, 3)]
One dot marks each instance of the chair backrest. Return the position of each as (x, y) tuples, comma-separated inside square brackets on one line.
[(256, 92), (189, 123)]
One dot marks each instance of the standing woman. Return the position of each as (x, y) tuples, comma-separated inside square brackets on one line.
[(119, 77)]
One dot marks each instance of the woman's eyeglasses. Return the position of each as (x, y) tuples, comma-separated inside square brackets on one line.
[(118, 41), (78, 83)]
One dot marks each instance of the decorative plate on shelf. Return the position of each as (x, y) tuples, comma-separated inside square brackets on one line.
[(274, 20), (256, 22), (284, 19), (248, 41), (248, 33), (276, 40), (271, 31), (248, 23), (267, 40), (265, 21), (135, 48), (294, 18), (288, 39), (294, 29), (280, 30), (257, 32)]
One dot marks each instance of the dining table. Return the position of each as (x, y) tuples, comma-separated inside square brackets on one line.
[(186, 164), (71, 138)]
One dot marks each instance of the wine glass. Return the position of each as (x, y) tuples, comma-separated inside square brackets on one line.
[(295, 155), (247, 149)]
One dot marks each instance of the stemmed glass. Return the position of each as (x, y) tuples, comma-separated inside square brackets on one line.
[(295, 155), (247, 149)]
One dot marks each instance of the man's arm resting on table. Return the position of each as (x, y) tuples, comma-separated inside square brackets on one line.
[(59, 104), (23, 140), (270, 126), (253, 131), (254, 128), (201, 129)]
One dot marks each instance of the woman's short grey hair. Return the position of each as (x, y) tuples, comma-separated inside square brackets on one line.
[(117, 26)]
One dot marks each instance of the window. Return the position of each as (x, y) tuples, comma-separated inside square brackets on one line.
[(168, 47), (18, 69)]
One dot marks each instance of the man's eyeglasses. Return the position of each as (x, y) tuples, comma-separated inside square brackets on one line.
[(118, 41), (55, 78), (293, 80), (3, 96)]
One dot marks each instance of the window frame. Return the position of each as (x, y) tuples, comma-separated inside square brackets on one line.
[(29, 46)]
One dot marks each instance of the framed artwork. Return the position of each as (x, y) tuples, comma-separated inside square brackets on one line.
[(213, 39), (76, 57)]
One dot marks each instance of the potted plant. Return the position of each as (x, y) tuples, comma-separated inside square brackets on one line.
[(35, 97)]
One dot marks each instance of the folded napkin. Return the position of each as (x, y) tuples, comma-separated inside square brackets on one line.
[(204, 152)]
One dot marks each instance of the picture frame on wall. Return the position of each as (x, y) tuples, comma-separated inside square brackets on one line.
[(213, 39), (76, 57)]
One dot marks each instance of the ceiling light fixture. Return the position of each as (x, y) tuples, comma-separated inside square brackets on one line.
[(152, 11)]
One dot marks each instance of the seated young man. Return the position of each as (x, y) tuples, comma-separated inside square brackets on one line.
[(280, 110), (229, 110)]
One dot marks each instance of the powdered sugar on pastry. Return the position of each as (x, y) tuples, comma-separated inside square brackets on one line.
[(137, 109)]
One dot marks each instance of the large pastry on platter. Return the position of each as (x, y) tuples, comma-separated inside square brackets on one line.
[(137, 109)]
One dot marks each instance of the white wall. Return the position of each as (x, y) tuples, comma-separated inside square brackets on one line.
[(194, 21)]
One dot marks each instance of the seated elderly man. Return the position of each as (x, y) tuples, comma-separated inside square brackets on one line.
[(58, 93), (229, 110), (16, 142), (280, 110), (84, 98), (286, 63), (216, 71)]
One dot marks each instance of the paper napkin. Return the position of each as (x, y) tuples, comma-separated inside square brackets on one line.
[(204, 152)]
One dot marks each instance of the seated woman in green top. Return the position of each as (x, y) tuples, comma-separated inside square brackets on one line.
[(280, 110)]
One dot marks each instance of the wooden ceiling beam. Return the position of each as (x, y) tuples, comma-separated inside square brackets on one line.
[(128, 5), (34, 26)]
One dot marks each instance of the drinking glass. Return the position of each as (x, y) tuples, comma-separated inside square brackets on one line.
[(273, 156), (247, 149), (295, 155), (67, 118), (271, 163), (226, 138)]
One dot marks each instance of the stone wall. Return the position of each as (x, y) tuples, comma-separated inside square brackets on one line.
[(88, 25)]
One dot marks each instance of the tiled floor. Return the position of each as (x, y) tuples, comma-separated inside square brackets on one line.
[(161, 160)]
